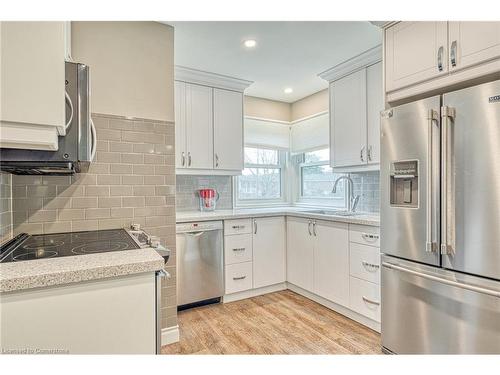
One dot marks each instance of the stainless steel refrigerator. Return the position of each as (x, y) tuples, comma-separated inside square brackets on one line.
[(440, 223)]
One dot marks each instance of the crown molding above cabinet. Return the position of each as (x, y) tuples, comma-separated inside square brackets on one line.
[(200, 77), (367, 58)]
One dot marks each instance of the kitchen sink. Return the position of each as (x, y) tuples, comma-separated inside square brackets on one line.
[(333, 212)]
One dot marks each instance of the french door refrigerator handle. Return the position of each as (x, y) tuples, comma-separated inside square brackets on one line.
[(433, 118), (457, 284), (447, 115)]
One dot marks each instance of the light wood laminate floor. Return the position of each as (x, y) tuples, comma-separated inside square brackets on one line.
[(276, 323)]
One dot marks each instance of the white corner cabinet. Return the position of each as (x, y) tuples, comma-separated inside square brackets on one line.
[(254, 255), (32, 84), (426, 56), (356, 99), (208, 123), (318, 258)]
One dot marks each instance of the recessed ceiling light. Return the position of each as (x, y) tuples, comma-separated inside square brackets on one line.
[(288, 90), (250, 43)]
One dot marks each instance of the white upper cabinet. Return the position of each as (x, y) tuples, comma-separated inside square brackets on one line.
[(374, 104), (32, 84), (299, 257), (180, 124), (415, 52), (269, 251), (209, 123), (472, 43), (228, 130), (199, 127), (331, 261), (348, 120)]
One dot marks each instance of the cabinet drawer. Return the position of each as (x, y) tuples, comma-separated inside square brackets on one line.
[(238, 226), (238, 248), (365, 298), (238, 277), (365, 262), (364, 234)]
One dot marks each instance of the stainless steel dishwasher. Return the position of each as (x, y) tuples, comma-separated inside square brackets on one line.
[(200, 263)]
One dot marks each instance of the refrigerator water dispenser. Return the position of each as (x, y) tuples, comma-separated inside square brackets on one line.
[(404, 183)]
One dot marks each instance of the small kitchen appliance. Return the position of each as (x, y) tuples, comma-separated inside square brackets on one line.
[(208, 199)]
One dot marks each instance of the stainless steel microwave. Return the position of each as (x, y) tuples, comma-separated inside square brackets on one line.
[(76, 148)]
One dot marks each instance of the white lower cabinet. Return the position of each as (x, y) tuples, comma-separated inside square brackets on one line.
[(318, 258), (365, 262), (331, 261), (365, 298), (238, 277), (299, 257), (254, 253), (269, 251)]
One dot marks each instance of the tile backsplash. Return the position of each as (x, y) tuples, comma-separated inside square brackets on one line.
[(5, 206), (186, 198), (367, 184), (131, 181)]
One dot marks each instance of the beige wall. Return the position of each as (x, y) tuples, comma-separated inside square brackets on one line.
[(131, 65), (268, 109), (310, 105)]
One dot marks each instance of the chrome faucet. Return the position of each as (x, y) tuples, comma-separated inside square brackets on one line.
[(353, 200)]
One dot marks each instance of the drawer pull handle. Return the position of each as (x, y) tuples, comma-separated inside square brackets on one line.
[(370, 266), (239, 278), (238, 226), (239, 249), (370, 237), (371, 301)]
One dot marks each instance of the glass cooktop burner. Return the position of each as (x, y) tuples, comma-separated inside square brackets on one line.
[(67, 244)]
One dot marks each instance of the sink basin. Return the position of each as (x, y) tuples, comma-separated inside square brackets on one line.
[(333, 212)]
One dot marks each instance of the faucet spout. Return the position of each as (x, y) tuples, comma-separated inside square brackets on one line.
[(353, 200)]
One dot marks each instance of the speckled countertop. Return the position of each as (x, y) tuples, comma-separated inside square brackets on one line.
[(360, 218), (57, 271)]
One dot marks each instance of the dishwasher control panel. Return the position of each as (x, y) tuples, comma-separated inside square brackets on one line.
[(198, 226)]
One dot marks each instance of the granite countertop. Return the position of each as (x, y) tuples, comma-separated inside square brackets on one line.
[(72, 269), (360, 218)]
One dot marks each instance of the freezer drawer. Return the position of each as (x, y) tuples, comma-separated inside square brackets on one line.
[(427, 310)]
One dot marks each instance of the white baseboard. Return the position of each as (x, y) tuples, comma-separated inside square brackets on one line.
[(336, 307), (253, 292), (169, 335)]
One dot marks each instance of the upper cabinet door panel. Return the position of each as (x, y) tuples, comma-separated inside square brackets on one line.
[(199, 126), (33, 73), (374, 104), (228, 130), (473, 43), (415, 52), (348, 120), (180, 124)]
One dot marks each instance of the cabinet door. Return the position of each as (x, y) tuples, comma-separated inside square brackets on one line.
[(331, 262), (180, 124), (299, 258), (473, 43), (415, 52), (228, 130), (374, 104), (269, 251), (33, 74), (348, 120), (199, 126)]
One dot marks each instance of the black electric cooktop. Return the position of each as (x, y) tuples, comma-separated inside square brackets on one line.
[(26, 247)]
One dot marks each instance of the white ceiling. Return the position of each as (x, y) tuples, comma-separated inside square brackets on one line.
[(288, 54)]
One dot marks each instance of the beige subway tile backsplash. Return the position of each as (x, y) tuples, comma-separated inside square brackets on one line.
[(132, 181)]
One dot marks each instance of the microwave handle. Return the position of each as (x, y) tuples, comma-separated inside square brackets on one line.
[(94, 140)]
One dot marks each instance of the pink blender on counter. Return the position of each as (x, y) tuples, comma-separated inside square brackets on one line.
[(208, 199)]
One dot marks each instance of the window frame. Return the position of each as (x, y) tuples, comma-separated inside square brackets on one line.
[(330, 202), (264, 202)]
